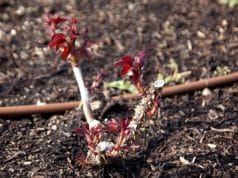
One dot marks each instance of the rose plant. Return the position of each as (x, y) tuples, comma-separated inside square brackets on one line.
[(113, 138)]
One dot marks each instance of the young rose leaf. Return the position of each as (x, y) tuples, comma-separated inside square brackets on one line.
[(125, 123), (74, 23), (112, 126), (72, 29), (57, 40), (124, 126), (139, 58), (52, 21), (135, 77), (126, 64), (133, 67), (66, 51)]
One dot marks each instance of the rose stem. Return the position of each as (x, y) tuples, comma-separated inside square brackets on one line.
[(84, 96)]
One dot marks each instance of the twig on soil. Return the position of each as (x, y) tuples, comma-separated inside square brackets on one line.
[(222, 130), (167, 91), (14, 155)]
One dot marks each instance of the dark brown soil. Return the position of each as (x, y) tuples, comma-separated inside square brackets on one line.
[(197, 136)]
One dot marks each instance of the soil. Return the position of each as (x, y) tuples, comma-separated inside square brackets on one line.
[(196, 135)]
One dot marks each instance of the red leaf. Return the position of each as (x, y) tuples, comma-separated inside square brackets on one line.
[(126, 132), (124, 127), (125, 69), (57, 40), (126, 64), (82, 131), (88, 138), (125, 60), (74, 23), (73, 29), (57, 20), (66, 51), (135, 77), (52, 21), (112, 126), (124, 124), (96, 130), (152, 110), (139, 58)]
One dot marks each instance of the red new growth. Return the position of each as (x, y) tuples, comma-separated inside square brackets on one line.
[(64, 39), (154, 107), (112, 126), (57, 40), (132, 66), (105, 139), (93, 136), (125, 131), (52, 22)]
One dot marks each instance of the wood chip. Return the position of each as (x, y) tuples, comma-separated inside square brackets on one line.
[(222, 130), (184, 161), (27, 163), (201, 34), (210, 145)]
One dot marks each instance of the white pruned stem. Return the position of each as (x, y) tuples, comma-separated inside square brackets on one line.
[(84, 97)]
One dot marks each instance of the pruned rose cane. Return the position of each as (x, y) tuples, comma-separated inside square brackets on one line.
[(107, 139), (100, 150), (149, 104)]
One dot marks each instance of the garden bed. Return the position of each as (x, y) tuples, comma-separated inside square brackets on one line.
[(197, 132)]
